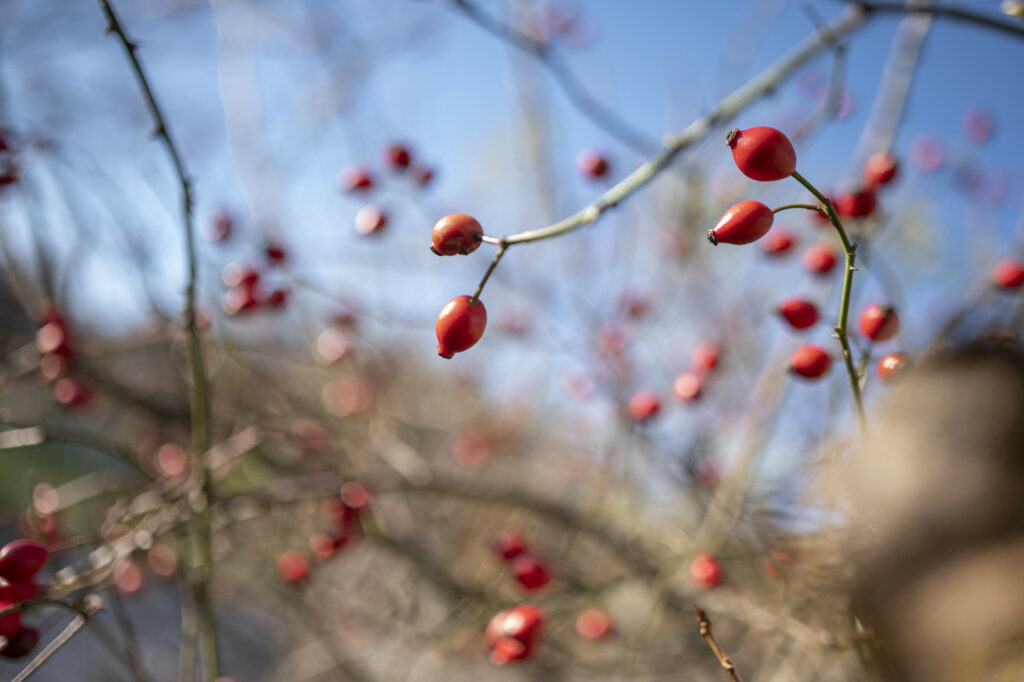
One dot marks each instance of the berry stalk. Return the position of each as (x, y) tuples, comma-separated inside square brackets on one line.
[(850, 250)]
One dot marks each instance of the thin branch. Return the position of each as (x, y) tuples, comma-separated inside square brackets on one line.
[(763, 84), (959, 13), (132, 652), (809, 207), (84, 611), (584, 102), (199, 399), (850, 249), (709, 637)]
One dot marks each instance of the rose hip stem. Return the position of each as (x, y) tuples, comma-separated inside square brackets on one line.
[(850, 249)]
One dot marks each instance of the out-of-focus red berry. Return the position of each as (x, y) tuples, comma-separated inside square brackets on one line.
[(706, 571), (820, 259), (644, 405), (531, 573), (879, 322), (810, 362)]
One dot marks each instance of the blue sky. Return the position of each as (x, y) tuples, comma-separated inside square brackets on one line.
[(314, 86)]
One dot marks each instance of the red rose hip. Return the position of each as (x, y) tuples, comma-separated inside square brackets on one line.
[(705, 357), (745, 222), (858, 204), (592, 164), (397, 157), (880, 169), (800, 314), (508, 545), (644, 405), (762, 153), (355, 179), (706, 571), (456, 233), (810, 362), (21, 643), (21, 559), (891, 366), (459, 325), (778, 242), (530, 573), (879, 322), (820, 259), (1009, 274), (687, 387)]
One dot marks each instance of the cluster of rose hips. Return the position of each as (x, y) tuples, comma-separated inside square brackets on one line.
[(462, 320), (687, 387), (766, 154), (20, 561), (514, 634), (359, 180), (246, 291), (343, 514), (530, 572), (57, 354)]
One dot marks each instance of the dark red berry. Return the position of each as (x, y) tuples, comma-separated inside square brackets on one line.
[(397, 157), (891, 366), (745, 222), (459, 325), (1008, 274), (778, 242), (15, 593), (530, 573), (222, 228), (275, 253), (810, 362), (592, 164), (858, 204), (456, 233), (705, 357), (879, 322), (21, 643), (72, 392), (356, 179), (820, 258), (800, 314), (762, 153), (880, 169), (508, 545)]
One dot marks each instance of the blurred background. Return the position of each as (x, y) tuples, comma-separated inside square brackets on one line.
[(363, 492)]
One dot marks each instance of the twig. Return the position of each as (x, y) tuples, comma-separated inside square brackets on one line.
[(199, 399), (761, 85), (91, 605), (132, 652), (584, 102), (850, 249), (709, 637)]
